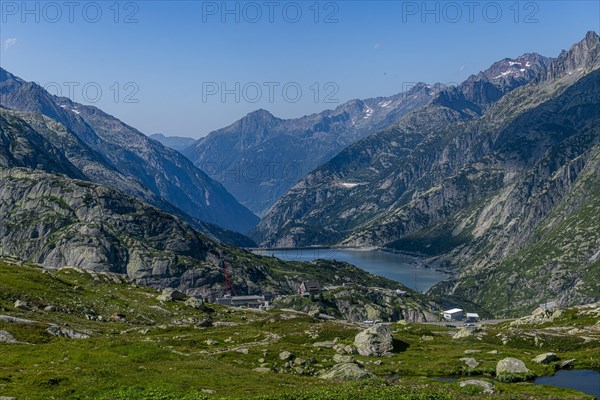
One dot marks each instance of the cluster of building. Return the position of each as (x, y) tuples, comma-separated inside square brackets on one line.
[(306, 289), (458, 314), (251, 301)]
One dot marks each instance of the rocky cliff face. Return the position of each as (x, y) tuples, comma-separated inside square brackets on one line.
[(56, 221), (470, 191), (163, 171)]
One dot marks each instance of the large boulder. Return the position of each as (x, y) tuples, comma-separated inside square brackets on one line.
[(171, 295), (195, 303), (286, 356), (466, 332), (512, 370), (375, 341), (545, 358), (346, 372), (512, 366)]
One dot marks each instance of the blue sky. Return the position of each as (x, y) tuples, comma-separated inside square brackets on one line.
[(163, 66)]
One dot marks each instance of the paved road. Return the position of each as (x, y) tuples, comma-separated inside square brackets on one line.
[(458, 324)]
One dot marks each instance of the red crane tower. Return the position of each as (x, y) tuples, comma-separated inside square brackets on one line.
[(228, 283)]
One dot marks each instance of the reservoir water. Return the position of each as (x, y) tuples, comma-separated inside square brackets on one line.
[(584, 380), (399, 267)]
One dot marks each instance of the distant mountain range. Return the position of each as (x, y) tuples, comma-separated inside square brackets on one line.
[(126, 159), (178, 143), (260, 157), (482, 178)]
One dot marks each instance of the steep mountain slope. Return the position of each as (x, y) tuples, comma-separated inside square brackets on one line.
[(163, 171), (550, 122), (366, 178), (178, 143), (33, 141), (557, 259), (470, 192), (22, 146), (25, 126)]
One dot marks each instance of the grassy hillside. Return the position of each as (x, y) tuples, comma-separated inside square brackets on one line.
[(140, 348)]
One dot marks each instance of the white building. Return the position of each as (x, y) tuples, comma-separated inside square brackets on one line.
[(472, 317), (455, 314)]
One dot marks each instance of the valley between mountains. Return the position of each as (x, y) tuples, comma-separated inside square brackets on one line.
[(122, 255)]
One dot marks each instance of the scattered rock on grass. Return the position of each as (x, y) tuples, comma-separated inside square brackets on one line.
[(545, 358), (205, 323), (328, 344), (471, 362), (346, 372), (6, 337), (488, 388), (118, 317), (21, 305), (195, 303), (341, 359), (465, 332), (567, 363), (59, 331), (341, 348), (171, 295)]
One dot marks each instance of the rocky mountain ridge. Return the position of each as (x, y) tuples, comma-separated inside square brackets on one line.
[(34, 141), (260, 156), (163, 171)]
